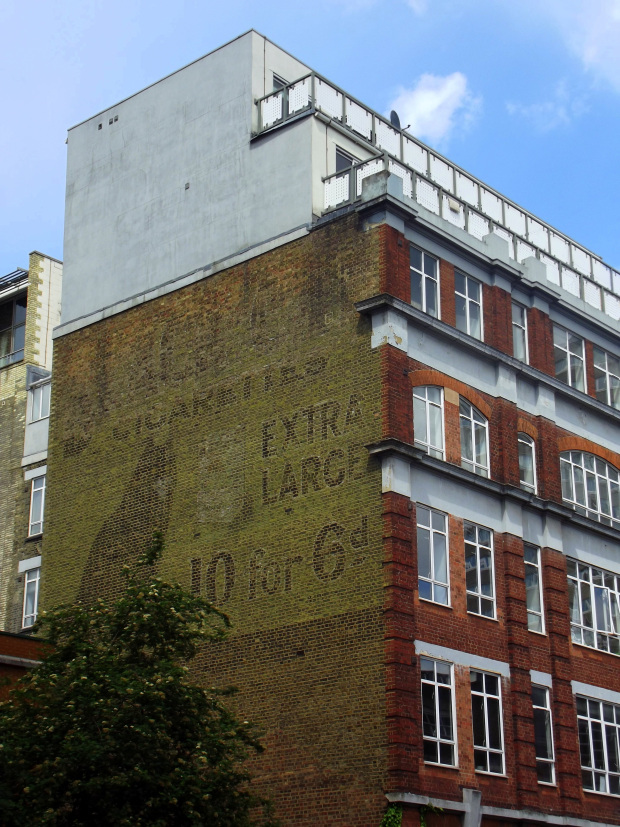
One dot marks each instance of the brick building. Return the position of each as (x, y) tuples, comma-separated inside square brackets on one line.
[(29, 309), (373, 406)]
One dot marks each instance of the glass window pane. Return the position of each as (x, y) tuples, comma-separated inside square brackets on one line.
[(416, 289), (532, 589), (559, 337), (475, 327), (424, 553), (461, 315), (478, 721), (415, 258), (430, 266), (441, 558), (19, 338), (518, 344), (431, 298), (20, 310), (561, 365)]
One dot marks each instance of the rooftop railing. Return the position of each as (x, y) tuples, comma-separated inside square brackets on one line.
[(440, 186)]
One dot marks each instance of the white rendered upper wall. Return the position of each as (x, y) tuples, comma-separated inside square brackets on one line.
[(168, 181)]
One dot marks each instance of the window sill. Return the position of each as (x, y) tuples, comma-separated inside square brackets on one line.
[(595, 649), (434, 602), (492, 774), (484, 617), (441, 766), (535, 632), (33, 537), (596, 792)]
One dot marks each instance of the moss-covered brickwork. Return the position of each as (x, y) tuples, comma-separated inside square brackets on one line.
[(232, 414)]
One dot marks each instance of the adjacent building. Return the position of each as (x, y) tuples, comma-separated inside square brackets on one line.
[(29, 309), (373, 405)]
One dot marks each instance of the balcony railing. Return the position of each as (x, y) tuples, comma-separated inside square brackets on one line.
[(435, 183)]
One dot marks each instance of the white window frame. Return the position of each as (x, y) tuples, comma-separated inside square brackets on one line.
[(594, 606), (436, 687), (32, 577), (477, 597), (471, 424), (469, 303), (524, 439), (589, 483), (533, 568), (347, 156), (520, 325), (428, 281), (423, 441), (598, 722), (488, 701), (611, 378), (40, 401), (438, 588), (278, 82), (542, 712), (567, 343), (35, 527)]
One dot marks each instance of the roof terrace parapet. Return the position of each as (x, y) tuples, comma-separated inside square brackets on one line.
[(435, 183)]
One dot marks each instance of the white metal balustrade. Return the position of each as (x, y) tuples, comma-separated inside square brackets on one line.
[(443, 188)]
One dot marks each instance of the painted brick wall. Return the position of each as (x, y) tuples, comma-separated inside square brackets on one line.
[(233, 415)]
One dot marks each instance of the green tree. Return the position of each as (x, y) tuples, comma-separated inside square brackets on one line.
[(110, 729)]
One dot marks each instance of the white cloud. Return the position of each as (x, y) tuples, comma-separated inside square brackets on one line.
[(418, 6), (436, 105), (558, 111), (590, 29)]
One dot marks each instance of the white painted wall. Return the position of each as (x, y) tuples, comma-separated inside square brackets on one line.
[(131, 224)]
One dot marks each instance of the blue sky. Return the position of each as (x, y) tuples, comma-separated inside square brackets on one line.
[(525, 94)]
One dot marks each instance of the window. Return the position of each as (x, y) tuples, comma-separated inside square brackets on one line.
[(12, 330), (543, 736), (40, 396), (591, 486), (37, 504), (594, 603), (424, 271), (486, 717), (479, 576), (474, 439), (344, 160), (519, 332), (533, 589), (527, 463), (438, 712), (31, 597), (428, 420), (607, 377), (433, 578), (468, 294), (278, 83), (599, 745), (568, 351)]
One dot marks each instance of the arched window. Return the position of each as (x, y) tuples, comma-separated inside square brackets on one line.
[(474, 439), (527, 463), (428, 420), (591, 486)]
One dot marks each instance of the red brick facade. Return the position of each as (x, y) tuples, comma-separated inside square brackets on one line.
[(505, 638)]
